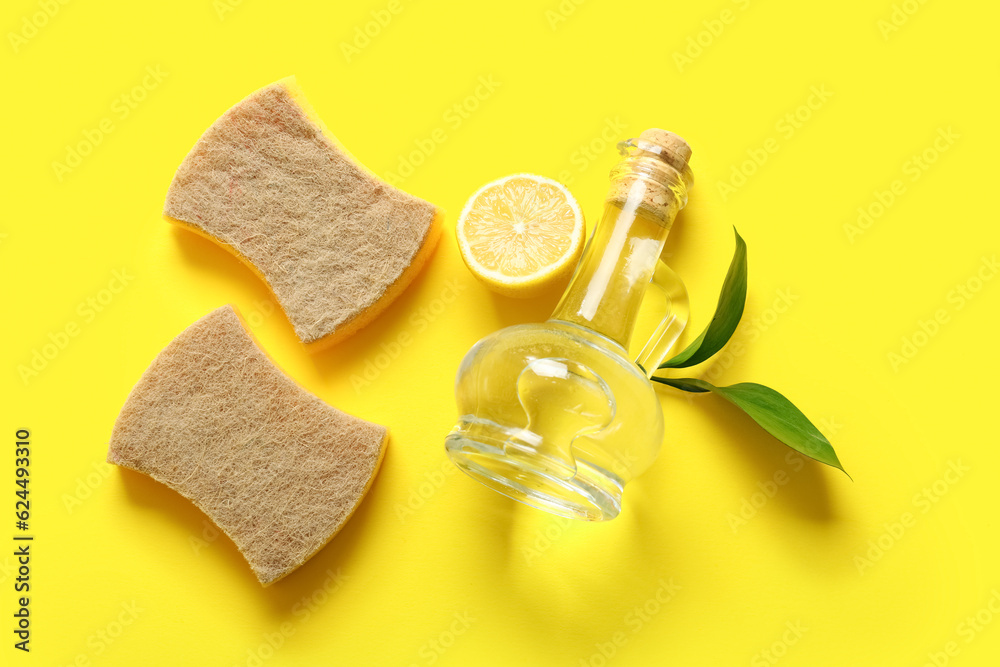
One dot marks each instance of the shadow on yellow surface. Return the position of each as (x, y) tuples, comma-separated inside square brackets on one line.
[(795, 484), (512, 311)]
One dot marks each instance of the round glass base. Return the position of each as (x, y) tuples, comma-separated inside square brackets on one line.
[(588, 495)]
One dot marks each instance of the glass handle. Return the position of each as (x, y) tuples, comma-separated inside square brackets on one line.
[(672, 325)]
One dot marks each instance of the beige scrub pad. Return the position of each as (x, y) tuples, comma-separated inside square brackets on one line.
[(333, 242), (276, 468)]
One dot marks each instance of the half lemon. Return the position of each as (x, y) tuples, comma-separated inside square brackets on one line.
[(521, 234)]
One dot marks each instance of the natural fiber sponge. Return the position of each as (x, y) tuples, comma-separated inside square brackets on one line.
[(276, 468), (335, 244)]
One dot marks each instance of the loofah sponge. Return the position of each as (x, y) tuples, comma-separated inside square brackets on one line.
[(276, 468), (333, 242)]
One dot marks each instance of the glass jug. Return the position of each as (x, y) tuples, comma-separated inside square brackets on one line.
[(557, 415)]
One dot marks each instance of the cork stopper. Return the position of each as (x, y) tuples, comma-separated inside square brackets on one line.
[(656, 170), (675, 151)]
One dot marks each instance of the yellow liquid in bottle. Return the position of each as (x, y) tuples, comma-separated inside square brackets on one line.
[(613, 274), (556, 416)]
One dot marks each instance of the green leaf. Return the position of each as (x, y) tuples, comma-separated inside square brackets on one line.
[(727, 314), (773, 412)]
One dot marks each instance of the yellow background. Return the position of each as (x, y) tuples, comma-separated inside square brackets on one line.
[(126, 572)]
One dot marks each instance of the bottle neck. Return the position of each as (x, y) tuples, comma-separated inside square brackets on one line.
[(617, 265), (648, 187)]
